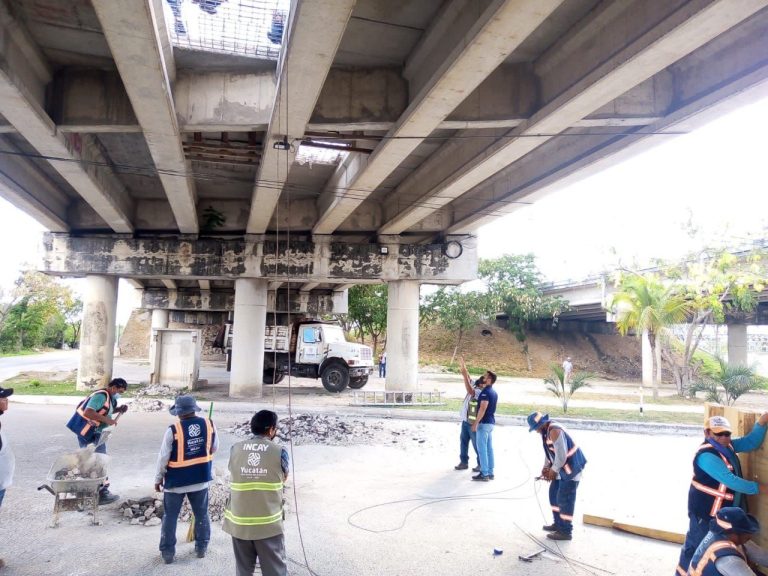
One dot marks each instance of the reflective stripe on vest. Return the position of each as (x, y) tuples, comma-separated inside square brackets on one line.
[(253, 520), (551, 445), (711, 555), (255, 486), (721, 493), (103, 410), (180, 461)]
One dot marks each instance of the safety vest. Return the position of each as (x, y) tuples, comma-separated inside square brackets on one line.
[(255, 507), (191, 458), (81, 425), (713, 546), (706, 495), (574, 458)]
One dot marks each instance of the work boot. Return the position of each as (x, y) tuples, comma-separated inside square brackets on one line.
[(461, 466), (480, 478), (168, 558), (549, 527), (107, 497), (476, 469), (557, 535), (200, 552)]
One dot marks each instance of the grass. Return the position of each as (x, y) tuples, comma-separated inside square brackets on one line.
[(44, 387), (18, 353), (610, 415)]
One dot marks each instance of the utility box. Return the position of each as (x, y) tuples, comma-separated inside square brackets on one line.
[(176, 360)]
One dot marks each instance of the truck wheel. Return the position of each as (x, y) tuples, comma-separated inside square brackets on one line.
[(335, 377), (272, 376), (357, 383)]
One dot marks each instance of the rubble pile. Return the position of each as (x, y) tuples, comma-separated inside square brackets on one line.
[(218, 493), (147, 399), (145, 511), (83, 464), (333, 431)]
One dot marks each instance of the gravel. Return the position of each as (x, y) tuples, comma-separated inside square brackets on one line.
[(147, 398)]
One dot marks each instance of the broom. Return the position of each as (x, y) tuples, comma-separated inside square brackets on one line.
[(191, 531)]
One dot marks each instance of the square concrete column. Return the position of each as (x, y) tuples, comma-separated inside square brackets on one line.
[(402, 335), (97, 335), (159, 322), (248, 339), (737, 344)]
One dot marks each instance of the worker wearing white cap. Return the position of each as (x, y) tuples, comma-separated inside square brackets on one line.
[(717, 480)]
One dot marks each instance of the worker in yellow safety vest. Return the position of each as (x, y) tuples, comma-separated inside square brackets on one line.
[(254, 514)]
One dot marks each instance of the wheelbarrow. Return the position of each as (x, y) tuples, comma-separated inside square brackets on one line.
[(74, 480)]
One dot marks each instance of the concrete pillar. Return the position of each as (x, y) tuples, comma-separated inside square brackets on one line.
[(402, 335), (97, 336), (159, 321), (647, 360), (737, 344), (248, 342)]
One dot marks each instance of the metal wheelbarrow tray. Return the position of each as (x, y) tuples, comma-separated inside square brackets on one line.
[(80, 493)]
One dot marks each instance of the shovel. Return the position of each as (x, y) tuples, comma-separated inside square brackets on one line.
[(106, 433)]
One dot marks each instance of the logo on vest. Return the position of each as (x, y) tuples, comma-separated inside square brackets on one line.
[(254, 458), (195, 430)]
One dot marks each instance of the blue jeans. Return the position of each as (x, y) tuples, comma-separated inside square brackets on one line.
[(484, 446), (2, 496), (464, 439), (172, 506), (562, 498), (382, 369), (697, 529)]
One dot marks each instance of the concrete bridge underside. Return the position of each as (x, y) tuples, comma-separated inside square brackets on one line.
[(183, 170)]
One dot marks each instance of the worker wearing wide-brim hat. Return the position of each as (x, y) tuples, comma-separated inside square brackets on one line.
[(7, 459), (727, 548), (717, 480), (563, 465)]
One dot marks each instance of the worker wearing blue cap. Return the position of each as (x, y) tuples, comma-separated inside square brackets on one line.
[(726, 549)]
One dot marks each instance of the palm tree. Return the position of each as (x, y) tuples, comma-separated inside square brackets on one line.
[(733, 379), (557, 384), (645, 305)]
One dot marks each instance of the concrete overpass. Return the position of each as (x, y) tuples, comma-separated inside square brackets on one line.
[(181, 164)]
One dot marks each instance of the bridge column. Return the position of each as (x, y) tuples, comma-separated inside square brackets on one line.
[(402, 335), (737, 344), (646, 360), (159, 321), (248, 342), (97, 336)]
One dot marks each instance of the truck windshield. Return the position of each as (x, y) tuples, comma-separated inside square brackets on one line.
[(333, 334)]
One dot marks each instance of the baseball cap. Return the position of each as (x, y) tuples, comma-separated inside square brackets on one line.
[(718, 424), (5, 392), (733, 520)]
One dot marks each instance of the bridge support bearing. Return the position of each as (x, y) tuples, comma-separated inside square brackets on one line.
[(248, 339), (97, 336), (403, 336)]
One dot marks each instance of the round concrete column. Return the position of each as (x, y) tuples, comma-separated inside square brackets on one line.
[(402, 335), (159, 321), (97, 335), (737, 344), (248, 340), (646, 359)]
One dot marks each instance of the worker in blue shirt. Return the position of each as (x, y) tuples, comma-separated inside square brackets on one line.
[(717, 480)]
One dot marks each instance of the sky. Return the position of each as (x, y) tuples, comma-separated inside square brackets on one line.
[(714, 179)]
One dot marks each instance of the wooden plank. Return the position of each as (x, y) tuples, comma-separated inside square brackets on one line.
[(598, 521), (655, 533)]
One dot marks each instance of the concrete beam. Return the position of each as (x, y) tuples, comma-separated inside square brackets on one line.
[(135, 284), (24, 76), (274, 285), (703, 92), (306, 59), (682, 32), (309, 286), (204, 284), (499, 30), (134, 40), (212, 258), (169, 283)]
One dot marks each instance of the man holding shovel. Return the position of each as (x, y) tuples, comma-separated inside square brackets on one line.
[(92, 416), (185, 468)]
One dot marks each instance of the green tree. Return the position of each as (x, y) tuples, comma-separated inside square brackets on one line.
[(368, 310), (728, 382), (513, 284), (558, 386), (457, 311), (644, 304)]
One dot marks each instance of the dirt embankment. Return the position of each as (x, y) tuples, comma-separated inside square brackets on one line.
[(607, 356)]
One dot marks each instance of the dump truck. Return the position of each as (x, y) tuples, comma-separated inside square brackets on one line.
[(312, 349)]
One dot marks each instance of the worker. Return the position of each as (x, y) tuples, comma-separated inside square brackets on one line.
[(92, 416), (727, 549), (185, 468), (717, 480), (254, 513), (7, 459), (563, 465), (468, 416)]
